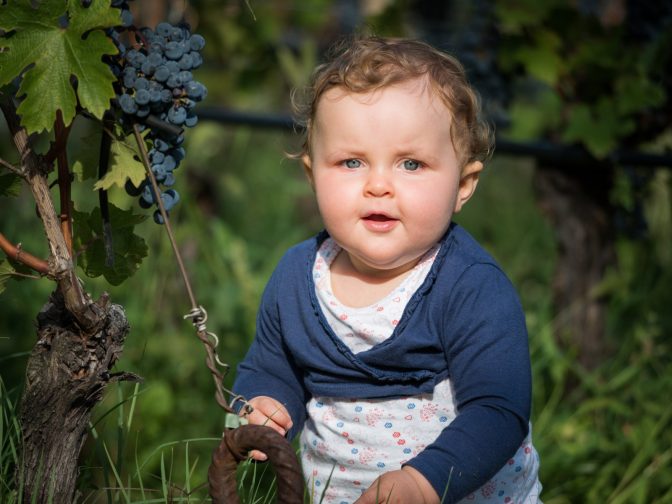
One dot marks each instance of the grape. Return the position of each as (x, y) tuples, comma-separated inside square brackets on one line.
[(155, 58), (156, 156), (142, 112), (161, 145), (142, 97), (162, 73), (166, 96), (159, 171), (129, 80), (155, 76), (196, 59), (147, 68), (155, 96), (169, 180), (141, 83), (191, 120), (174, 81), (177, 115), (196, 42), (127, 104), (178, 154), (169, 198), (174, 50), (164, 29), (186, 76), (195, 90), (185, 61), (169, 162)]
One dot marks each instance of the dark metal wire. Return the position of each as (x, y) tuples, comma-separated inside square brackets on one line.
[(198, 315), (557, 154)]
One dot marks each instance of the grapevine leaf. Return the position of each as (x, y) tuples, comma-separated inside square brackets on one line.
[(123, 165), (49, 54), (532, 117), (128, 248), (635, 93), (10, 185), (85, 166), (542, 59), (598, 127)]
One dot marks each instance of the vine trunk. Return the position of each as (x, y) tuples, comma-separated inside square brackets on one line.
[(66, 376)]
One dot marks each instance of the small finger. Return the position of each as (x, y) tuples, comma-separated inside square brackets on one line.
[(258, 456), (261, 419)]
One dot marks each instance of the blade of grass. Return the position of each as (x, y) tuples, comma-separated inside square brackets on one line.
[(661, 461), (116, 475), (131, 411), (102, 461), (326, 485), (187, 479), (120, 430), (163, 446), (137, 471), (647, 449), (164, 485)]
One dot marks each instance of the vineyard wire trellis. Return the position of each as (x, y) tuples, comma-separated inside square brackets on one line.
[(540, 150)]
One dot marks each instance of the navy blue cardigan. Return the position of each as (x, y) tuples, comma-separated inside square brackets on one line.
[(464, 323)]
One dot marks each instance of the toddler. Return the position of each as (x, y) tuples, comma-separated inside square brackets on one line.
[(392, 342)]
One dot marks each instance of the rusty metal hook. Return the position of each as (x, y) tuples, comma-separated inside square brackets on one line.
[(234, 448)]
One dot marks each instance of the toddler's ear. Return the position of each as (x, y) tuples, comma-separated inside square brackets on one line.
[(308, 168), (468, 183)]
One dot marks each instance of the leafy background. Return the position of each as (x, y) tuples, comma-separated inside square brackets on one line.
[(603, 436)]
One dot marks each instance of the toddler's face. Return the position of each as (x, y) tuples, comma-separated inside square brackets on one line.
[(386, 174)]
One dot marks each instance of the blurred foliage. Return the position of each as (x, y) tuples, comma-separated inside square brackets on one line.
[(604, 83), (605, 438)]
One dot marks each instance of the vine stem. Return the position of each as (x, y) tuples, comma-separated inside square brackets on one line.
[(18, 254), (62, 132), (61, 268), (10, 167)]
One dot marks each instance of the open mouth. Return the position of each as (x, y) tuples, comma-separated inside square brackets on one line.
[(379, 218), (378, 222)]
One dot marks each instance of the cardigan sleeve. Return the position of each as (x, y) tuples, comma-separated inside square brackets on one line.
[(268, 368), (486, 348)]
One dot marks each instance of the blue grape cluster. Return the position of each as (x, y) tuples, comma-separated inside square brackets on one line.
[(156, 90)]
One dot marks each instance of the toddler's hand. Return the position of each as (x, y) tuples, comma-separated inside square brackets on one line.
[(269, 412), (405, 486)]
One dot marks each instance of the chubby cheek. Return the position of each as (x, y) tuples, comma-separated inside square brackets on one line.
[(431, 211), (335, 199)]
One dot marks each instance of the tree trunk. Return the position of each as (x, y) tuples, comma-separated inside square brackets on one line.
[(576, 201), (65, 378)]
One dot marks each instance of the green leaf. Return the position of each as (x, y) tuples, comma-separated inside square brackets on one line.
[(128, 248), (515, 16), (49, 55), (532, 118), (542, 58), (10, 185), (124, 164), (86, 158), (599, 128), (636, 92)]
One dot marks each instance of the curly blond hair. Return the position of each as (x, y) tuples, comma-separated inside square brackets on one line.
[(362, 65)]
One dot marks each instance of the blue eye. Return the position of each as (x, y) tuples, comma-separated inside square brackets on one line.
[(352, 163), (411, 165)]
